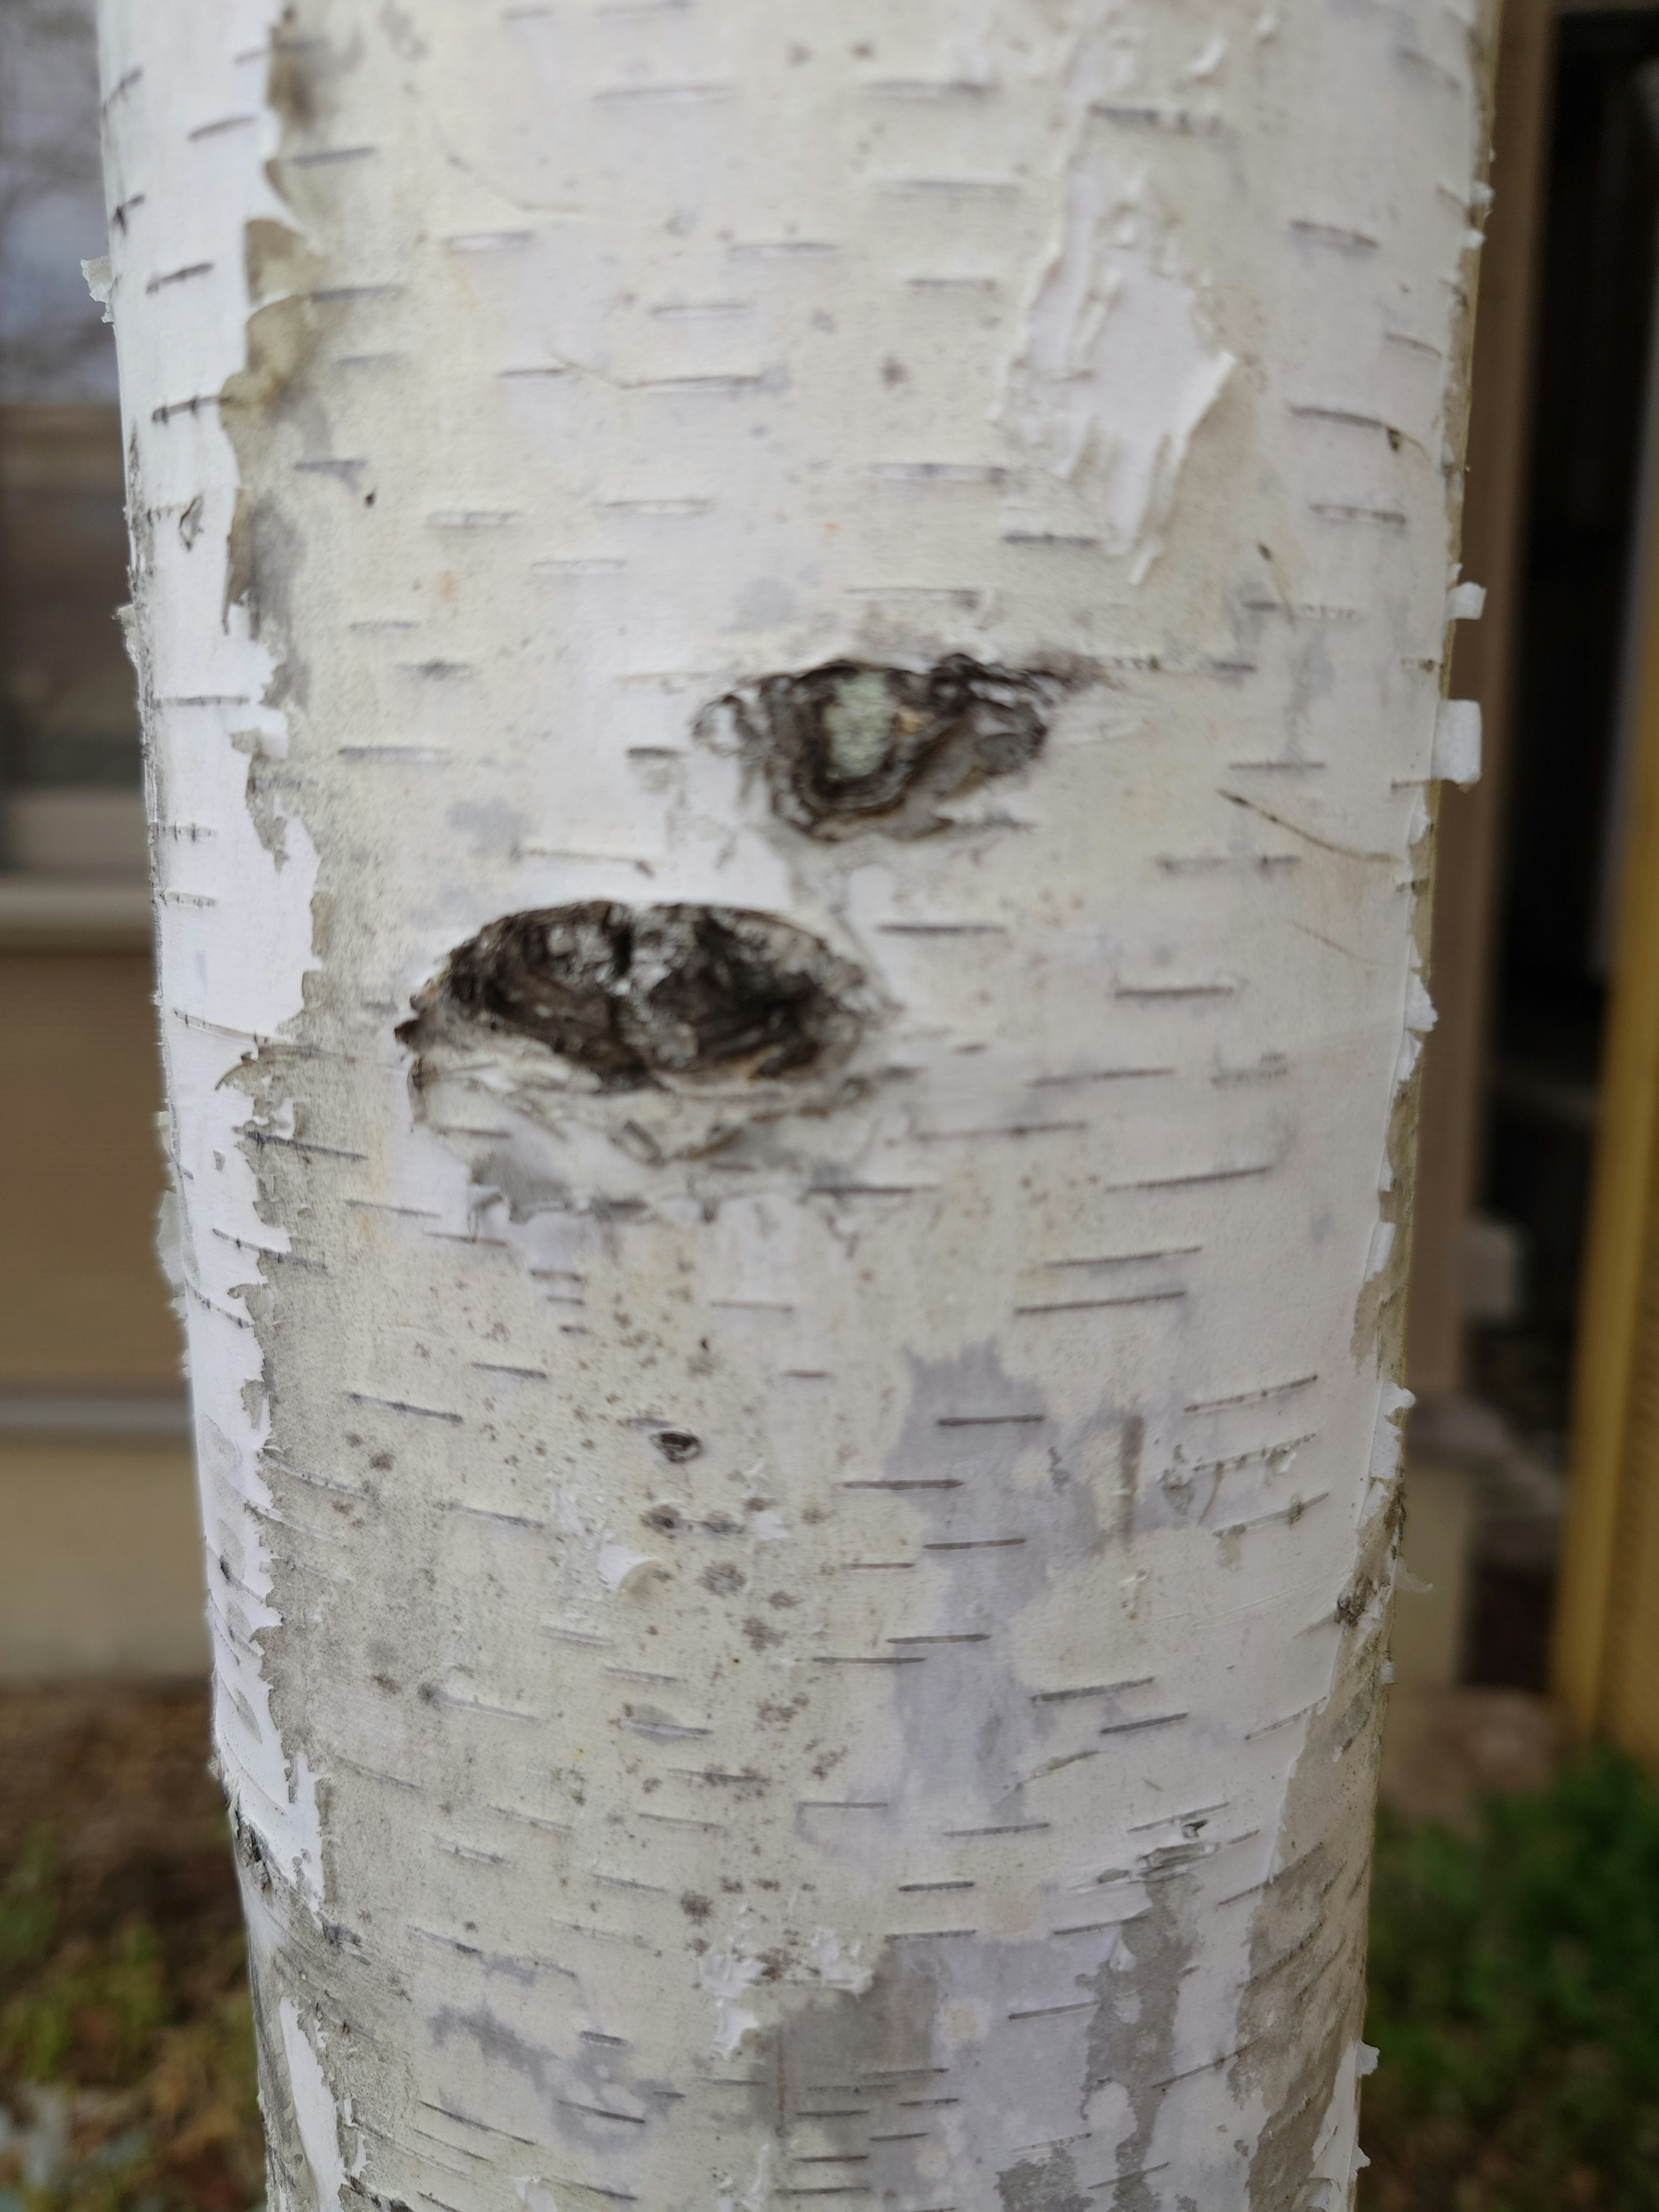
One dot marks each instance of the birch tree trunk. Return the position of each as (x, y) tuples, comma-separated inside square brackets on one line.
[(793, 662)]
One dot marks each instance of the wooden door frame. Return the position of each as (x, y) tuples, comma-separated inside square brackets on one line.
[(1469, 823)]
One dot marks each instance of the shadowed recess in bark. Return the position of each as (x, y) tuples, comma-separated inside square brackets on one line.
[(638, 996), (848, 746)]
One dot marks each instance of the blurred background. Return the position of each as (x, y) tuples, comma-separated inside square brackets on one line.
[(1516, 1949)]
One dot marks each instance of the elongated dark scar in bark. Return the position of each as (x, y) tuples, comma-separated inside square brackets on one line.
[(641, 995), (848, 746)]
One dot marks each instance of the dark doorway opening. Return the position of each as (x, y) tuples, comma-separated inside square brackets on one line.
[(1595, 424)]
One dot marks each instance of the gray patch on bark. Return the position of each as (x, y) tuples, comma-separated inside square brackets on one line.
[(591, 2099), (976, 1740), (1132, 2035), (974, 1773), (848, 747), (270, 824), (1048, 2186), (874, 2045), (265, 554)]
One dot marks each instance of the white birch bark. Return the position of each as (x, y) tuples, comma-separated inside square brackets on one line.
[(803, 1621)]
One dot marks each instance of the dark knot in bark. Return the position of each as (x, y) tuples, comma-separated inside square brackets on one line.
[(848, 747), (646, 994)]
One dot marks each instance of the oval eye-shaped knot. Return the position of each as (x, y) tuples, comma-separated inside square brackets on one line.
[(638, 996), (848, 747)]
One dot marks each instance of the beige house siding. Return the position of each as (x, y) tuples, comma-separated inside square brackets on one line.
[(80, 1301), (99, 1561)]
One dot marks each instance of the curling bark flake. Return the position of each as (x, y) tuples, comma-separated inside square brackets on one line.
[(791, 657)]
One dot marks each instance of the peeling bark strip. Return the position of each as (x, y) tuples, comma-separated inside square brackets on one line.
[(800, 1530), (635, 995), (848, 747)]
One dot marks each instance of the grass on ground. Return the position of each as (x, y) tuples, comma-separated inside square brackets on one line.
[(126, 2053), (1514, 2002)]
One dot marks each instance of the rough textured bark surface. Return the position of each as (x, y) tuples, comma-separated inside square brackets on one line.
[(792, 658)]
